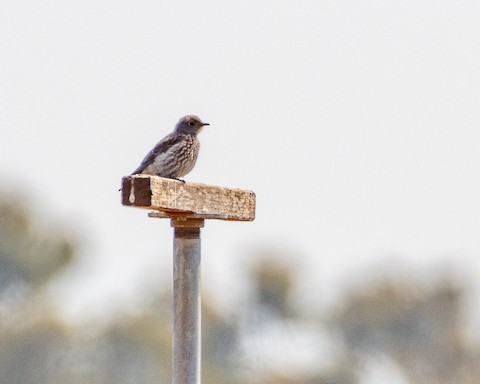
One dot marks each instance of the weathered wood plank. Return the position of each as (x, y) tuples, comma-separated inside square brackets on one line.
[(173, 197)]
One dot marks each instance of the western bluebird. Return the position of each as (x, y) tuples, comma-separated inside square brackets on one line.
[(175, 155)]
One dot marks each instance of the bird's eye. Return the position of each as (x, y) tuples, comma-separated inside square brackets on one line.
[(191, 123)]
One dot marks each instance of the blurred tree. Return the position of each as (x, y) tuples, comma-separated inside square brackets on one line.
[(417, 327), (33, 353), (272, 282), (136, 349), (421, 328), (33, 341), (219, 340), (131, 350), (275, 340), (29, 256)]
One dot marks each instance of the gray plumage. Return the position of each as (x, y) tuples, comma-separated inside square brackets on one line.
[(175, 155)]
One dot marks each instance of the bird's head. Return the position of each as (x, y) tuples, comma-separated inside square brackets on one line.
[(189, 124)]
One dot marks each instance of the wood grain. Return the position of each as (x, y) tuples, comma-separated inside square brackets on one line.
[(172, 197)]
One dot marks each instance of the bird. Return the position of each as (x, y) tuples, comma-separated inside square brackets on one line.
[(175, 155)]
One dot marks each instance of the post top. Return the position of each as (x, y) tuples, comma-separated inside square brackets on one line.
[(170, 198)]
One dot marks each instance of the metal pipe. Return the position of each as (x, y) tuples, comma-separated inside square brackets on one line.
[(186, 301)]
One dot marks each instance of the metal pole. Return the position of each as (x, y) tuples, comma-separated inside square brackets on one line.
[(186, 301)]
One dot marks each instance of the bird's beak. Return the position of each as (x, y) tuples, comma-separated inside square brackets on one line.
[(205, 124)]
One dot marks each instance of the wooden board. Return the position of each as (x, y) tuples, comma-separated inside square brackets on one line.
[(172, 197)]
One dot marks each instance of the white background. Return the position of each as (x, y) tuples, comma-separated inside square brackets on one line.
[(357, 124)]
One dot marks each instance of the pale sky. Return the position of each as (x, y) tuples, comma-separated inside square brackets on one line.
[(357, 124)]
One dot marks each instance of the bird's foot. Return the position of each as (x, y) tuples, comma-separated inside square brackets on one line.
[(176, 178)]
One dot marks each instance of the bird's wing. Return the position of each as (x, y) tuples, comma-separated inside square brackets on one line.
[(162, 146)]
